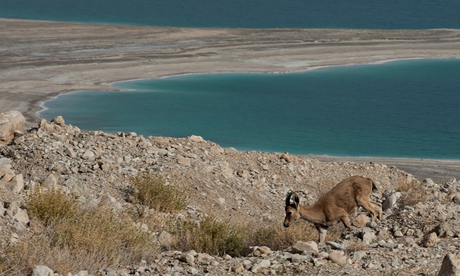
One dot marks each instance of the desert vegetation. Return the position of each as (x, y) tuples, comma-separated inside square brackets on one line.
[(70, 236)]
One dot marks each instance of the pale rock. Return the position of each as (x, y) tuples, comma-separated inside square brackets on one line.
[(11, 123), (338, 257), (163, 152), (204, 258), (456, 198), (450, 266), (17, 213), (286, 157), (195, 138), (42, 270), (430, 240), (226, 171), (221, 201), (89, 155), (183, 161), (358, 255), (297, 258), (368, 236), (59, 120), (259, 183), (335, 245), (260, 251), (6, 173), (391, 201), (2, 209), (16, 184), (188, 257), (216, 150), (50, 182), (70, 152), (238, 267), (165, 239), (260, 264), (428, 182), (309, 247)]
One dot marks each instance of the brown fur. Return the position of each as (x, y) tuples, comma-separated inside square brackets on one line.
[(335, 205)]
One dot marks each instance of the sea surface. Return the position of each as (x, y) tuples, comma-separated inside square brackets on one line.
[(396, 109), (373, 14)]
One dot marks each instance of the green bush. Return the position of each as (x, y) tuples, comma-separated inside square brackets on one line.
[(151, 189)]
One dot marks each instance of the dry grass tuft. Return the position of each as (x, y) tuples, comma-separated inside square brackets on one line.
[(68, 239), (217, 237), (152, 190), (212, 236), (412, 193), (277, 237)]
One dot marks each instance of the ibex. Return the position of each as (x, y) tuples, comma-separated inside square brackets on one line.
[(335, 205)]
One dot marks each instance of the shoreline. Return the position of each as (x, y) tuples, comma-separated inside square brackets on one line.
[(439, 170), (43, 59)]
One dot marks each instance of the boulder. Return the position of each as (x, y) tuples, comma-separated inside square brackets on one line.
[(11, 123), (450, 266)]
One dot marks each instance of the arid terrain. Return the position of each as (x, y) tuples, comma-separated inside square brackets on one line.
[(420, 197), (418, 234)]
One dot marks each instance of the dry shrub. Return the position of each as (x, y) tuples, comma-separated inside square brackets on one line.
[(68, 239), (412, 193), (277, 237), (49, 206), (217, 237), (151, 189), (212, 236)]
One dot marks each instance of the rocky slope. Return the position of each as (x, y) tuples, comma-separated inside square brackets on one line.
[(417, 233)]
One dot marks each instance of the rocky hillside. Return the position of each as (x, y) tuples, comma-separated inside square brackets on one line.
[(419, 229)]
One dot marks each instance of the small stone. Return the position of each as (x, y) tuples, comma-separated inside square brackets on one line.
[(188, 258), (358, 255), (296, 258), (238, 267), (165, 239), (430, 240), (42, 270), (286, 157), (184, 161), (259, 264), (309, 247), (335, 245), (338, 257), (390, 202), (59, 120)]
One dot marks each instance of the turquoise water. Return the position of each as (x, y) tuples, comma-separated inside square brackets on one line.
[(396, 109), (400, 109), (374, 14)]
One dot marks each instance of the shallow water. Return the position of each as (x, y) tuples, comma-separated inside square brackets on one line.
[(372, 14), (396, 109)]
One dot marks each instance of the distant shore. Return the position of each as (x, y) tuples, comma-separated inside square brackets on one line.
[(439, 170), (42, 59)]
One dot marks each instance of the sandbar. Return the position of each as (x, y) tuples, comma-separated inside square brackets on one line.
[(41, 59)]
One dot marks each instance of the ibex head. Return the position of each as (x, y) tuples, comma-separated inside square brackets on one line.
[(292, 208)]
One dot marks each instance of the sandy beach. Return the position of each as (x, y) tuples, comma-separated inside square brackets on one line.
[(42, 59)]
